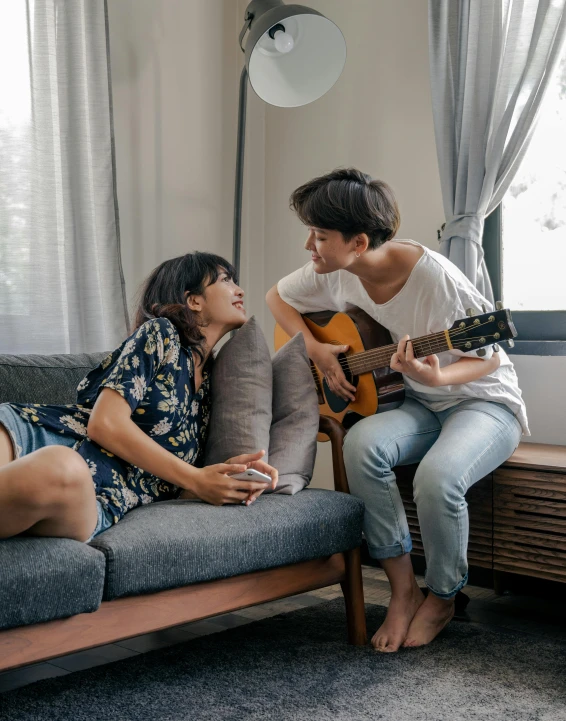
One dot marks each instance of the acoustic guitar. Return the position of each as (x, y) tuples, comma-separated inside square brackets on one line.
[(366, 365)]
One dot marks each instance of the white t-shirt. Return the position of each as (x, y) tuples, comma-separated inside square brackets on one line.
[(435, 295)]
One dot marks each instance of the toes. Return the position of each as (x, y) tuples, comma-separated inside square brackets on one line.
[(386, 649), (384, 645), (379, 643)]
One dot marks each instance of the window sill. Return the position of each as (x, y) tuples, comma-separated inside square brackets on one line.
[(537, 347)]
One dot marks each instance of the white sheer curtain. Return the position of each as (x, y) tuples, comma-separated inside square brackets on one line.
[(490, 62), (61, 282)]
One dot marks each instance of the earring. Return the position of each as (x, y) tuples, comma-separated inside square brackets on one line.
[(357, 255)]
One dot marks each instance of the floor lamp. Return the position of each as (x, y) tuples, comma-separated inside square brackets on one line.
[(294, 55)]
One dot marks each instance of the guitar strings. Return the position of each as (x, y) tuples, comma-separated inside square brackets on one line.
[(352, 364), (386, 355), (357, 369), (436, 346), (435, 341)]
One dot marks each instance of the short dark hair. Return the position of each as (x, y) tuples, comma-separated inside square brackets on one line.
[(351, 202), (163, 294)]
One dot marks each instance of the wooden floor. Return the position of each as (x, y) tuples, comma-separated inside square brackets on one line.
[(540, 614)]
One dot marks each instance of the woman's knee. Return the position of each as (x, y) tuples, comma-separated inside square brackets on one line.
[(61, 470), (436, 487), (362, 445)]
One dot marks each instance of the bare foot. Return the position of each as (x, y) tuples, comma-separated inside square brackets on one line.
[(402, 608), (433, 615)]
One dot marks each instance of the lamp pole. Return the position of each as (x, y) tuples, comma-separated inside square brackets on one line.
[(239, 184)]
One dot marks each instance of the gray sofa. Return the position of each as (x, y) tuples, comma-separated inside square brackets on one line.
[(170, 562)]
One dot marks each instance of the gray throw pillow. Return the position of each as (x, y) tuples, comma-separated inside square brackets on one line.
[(241, 387), (294, 427)]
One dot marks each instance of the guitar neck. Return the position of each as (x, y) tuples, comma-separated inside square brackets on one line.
[(381, 357)]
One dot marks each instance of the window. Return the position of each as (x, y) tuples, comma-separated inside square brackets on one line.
[(525, 238), (61, 287)]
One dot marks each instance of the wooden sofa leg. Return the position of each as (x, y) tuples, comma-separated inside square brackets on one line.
[(353, 590)]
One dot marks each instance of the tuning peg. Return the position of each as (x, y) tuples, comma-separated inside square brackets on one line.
[(498, 305), (481, 352), (511, 343), (470, 312), (484, 308), (495, 348)]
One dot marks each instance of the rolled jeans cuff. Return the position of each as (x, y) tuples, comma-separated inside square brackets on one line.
[(397, 549), (450, 594)]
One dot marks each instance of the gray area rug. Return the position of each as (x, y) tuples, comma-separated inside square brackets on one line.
[(297, 666)]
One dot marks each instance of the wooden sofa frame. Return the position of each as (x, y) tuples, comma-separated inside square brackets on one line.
[(126, 617)]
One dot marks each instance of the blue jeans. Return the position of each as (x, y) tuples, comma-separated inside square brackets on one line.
[(29, 437), (454, 449)]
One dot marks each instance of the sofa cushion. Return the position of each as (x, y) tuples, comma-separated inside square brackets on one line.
[(46, 578), (177, 543), (44, 378)]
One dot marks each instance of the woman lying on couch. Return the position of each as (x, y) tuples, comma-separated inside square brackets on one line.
[(138, 429)]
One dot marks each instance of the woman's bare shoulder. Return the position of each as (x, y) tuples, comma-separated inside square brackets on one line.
[(405, 253)]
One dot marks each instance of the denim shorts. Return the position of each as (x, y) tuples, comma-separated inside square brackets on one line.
[(29, 437)]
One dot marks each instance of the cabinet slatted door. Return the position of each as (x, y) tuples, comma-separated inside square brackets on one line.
[(530, 522)]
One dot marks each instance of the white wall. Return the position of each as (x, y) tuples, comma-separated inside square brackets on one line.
[(174, 77), (543, 382)]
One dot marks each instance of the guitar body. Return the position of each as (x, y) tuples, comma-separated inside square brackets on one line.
[(380, 389)]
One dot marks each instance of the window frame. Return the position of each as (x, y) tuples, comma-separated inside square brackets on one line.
[(541, 332)]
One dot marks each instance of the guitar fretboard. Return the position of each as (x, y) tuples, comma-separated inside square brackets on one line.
[(381, 357)]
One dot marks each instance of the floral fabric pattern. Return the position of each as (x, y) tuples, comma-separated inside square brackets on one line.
[(154, 373)]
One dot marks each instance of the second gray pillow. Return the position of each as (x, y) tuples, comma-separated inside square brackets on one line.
[(295, 417)]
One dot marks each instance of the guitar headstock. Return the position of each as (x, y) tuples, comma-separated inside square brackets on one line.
[(477, 331)]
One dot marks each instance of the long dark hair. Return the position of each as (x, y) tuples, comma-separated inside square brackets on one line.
[(351, 202), (163, 294)]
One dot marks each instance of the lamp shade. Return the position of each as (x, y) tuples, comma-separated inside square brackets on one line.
[(294, 55)]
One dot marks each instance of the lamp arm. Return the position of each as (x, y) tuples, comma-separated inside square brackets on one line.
[(239, 184), (247, 24)]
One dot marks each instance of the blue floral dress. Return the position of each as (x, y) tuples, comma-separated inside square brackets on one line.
[(154, 373)]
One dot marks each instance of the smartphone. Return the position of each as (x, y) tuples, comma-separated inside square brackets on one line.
[(252, 475)]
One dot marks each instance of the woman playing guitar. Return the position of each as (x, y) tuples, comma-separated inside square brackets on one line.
[(463, 415)]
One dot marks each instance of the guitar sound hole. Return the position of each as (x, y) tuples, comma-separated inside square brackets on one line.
[(335, 403)]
